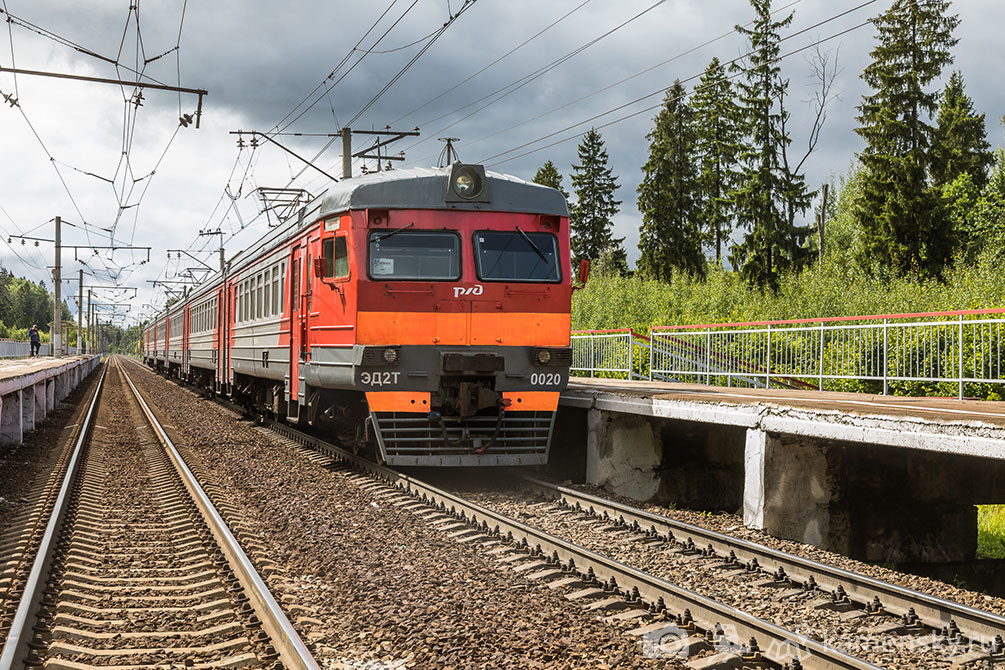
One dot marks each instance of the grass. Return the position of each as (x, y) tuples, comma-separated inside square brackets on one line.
[(991, 531)]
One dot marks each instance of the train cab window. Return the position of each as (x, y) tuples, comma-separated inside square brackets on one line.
[(336, 254), (517, 256), (401, 254)]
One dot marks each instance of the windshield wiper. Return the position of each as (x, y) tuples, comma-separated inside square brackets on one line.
[(533, 246), (395, 232)]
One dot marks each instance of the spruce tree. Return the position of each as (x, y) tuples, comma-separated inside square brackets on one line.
[(769, 194), (548, 175), (670, 236), (961, 142), (591, 217), (719, 138), (901, 217)]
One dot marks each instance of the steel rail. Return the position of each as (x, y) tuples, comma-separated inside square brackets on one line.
[(933, 612), (776, 644), (20, 633), (292, 650)]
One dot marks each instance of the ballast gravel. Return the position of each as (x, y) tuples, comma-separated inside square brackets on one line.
[(369, 585), (747, 591)]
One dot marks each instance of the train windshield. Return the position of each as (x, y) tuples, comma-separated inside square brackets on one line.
[(517, 256), (414, 254)]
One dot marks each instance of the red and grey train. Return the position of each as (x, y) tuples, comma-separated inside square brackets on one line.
[(421, 313)]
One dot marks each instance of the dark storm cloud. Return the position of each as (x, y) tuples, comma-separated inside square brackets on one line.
[(259, 59)]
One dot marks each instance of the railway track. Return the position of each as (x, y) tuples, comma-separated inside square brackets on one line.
[(135, 567), (662, 610), (875, 596)]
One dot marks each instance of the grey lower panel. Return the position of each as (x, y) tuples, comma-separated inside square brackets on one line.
[(407, 438)]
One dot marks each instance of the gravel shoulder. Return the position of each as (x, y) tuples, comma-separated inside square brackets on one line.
[(731, 524), (369, 585), (24, 467)]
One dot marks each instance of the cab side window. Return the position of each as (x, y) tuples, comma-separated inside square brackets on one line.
[(336, 256)]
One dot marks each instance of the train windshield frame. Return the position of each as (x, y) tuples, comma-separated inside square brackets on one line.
[(414, 255), (517, 256)]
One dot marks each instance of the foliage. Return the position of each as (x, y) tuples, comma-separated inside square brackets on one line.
[(991, 531), (832, 289), (769, 194), (548, 175), (719, 137), (668, 195), (590, 218), (961, 143), (23, 302), (899, 213)]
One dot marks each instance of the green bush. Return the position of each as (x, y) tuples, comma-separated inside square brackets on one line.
[(838, 287)]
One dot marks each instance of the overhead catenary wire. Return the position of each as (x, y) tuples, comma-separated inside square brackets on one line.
[(608, 87), (493, 63), (683, 80), (338, 67), (515, 86), (453, 18)]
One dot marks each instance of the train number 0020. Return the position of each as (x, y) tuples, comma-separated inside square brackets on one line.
[(545, 379)]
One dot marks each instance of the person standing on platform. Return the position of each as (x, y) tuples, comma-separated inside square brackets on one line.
[(36, 341)]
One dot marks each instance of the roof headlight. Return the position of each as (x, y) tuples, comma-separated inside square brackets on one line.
[(467, 184)]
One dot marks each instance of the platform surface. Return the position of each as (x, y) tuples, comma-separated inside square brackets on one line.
[(19, 367), (943, 410)]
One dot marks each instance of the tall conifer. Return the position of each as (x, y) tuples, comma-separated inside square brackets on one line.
[(769, 193), (961, 141), (548, 175), (670, 236), (591, 217), (719, 137), (900, 214)]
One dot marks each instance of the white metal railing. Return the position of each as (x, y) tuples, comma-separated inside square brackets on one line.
[(610, 353), (22, 349), (934, 353)]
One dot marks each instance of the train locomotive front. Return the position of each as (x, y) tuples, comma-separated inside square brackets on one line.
[(462, 314)]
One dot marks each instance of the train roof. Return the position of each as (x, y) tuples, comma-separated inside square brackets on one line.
[(426, 188), (412, 188)]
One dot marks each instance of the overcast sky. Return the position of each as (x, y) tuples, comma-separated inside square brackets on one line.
[(63, 146)]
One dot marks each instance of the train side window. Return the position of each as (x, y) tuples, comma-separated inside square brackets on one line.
[(294, 287), (275, 290), (336, 254), (310, 294), (258, 296)]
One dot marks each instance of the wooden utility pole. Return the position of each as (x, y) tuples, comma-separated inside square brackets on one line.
[(56, 335), (80, 313), (346, 153), (820, 221)]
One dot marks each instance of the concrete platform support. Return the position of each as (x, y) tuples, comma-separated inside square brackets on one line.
[(623, 454), (28, 408), (40, 404), (60, 391), (50, 395), (879, 504), (684, 463), (10, 419)]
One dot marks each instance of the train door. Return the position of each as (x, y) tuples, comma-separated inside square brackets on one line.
[(297, 325), (219, 336)]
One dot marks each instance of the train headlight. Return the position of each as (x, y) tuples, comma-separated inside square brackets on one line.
[(543, 356), (390, 355), (467, 184)]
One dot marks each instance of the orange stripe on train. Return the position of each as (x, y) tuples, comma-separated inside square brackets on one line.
[(513, 329), (531, 401), (398, 401)]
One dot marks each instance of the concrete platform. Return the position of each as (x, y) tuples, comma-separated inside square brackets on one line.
[(30, 388), (946, 425), (876, 477)]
